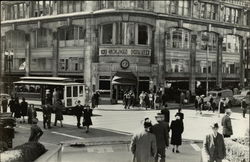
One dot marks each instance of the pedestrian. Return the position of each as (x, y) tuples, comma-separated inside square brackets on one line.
[(222, 105), (182, 98), (151, 100), (78, 110), (166, 113), (31, 113), (201, 103), (141, 97), (179, 113), (87, 113), (96, 96), (35, 131), (127, 100), (143, 144), (244, 107), (196, 103), (212, 103), (12, 106), (146, 100), (214, 149), (4, 104), (157, 100), (160, 130), (177, 129), (227, 124), (24, 109), (58, 112), (132, 103), (188, 96), (47, 111), (17, 109), (55, 96), (164, 99)]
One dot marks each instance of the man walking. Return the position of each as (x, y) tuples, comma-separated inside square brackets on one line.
[(244, 107), (47, 111), (78, 113), (143, 144), (166, 113), (160, 130), (214, 149), (4, 104), (227, 124)]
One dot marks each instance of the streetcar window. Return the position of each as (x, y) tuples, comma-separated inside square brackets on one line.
[(68, 92), (75, 91)]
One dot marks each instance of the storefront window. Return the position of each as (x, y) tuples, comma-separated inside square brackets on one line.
[(175, 65), (142, 34), (71, 64)]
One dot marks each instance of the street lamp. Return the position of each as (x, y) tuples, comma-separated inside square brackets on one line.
[(9, 58)]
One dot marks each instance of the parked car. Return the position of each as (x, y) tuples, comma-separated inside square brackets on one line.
[(217, 95), (238, 98)]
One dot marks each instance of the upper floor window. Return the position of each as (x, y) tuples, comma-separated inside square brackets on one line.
[(71, 36), (106, 4), (209, 40), (180, 7), (41, 38), (178, 38), (231, 15), (125, 33), (15, 39), (231, 43), (208, 11)]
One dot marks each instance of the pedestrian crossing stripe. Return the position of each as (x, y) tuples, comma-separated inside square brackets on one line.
[(99, 149)]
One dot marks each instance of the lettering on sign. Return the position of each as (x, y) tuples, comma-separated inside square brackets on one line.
[(124, 51)]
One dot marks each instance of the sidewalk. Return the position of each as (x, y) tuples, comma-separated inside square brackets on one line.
[(120, 107)]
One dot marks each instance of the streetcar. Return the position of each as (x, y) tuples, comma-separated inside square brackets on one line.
[(38, 90)]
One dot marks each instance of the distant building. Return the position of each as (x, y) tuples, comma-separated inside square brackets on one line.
[(115, 46)]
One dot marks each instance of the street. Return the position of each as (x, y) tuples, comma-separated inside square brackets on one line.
[(113, 121)]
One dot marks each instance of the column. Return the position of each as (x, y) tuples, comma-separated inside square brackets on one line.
[(55, 54), (2, 63), (192, 66), (27, 55), (242, 76), (219, 62), (88, 57)]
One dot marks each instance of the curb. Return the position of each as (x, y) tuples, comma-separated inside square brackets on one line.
[(139, 109)]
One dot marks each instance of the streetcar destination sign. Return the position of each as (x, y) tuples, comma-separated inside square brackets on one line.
[(106, 51)]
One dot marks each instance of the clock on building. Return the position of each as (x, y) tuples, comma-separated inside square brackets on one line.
[(124, 64)]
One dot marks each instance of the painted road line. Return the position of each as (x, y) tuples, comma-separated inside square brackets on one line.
[(67, 135), (195, 146), (46, 143), (115, 131)]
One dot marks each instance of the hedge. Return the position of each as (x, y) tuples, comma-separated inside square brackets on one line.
[(26, 152)]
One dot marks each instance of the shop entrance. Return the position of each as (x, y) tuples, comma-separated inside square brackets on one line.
[(123, 82)]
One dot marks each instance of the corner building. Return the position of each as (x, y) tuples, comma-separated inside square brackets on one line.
[(117, 45)]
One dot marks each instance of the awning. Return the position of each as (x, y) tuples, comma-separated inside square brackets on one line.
[(127, 78)]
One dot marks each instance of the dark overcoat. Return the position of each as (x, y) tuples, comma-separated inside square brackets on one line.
[(177, 130), (160, 130), (87, 113), (24, 108)]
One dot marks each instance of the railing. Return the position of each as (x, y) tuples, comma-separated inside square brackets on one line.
[(52, 156)]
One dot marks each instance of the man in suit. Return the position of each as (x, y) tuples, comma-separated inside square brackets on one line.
[(166, 113), (227, 124), (78, 111), (214, 149), (160, 130)]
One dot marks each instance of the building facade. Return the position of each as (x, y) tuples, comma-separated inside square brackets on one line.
[(113, 46)]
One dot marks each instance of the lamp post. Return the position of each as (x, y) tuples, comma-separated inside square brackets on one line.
[(207, 53), (9, 58)]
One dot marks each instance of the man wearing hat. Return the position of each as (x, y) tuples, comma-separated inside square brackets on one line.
[(143, 144), (160, 130), (227, 124), (214, 149), (35, 131)]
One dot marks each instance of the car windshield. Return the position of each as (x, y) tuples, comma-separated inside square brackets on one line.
[(212, 94)]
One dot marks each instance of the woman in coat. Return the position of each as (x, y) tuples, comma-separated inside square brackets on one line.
[(17, 109), (87, 113), (12, 106), (177, 130), (58, 112), (24, 108)]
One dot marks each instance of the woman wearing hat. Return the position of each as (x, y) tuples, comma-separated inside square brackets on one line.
[(177, 129), (143, 144)]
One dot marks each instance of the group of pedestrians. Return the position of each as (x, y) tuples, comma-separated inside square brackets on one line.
[(152, 100), (18, 110), (129, 99), (150, 143)]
